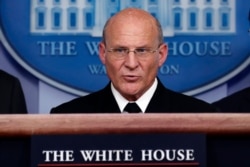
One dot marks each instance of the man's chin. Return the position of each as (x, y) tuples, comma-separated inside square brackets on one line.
[(130, 91)]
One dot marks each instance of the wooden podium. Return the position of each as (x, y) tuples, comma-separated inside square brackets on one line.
[(228, 135)]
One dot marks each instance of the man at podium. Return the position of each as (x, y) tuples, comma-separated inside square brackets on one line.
[(132, 50)]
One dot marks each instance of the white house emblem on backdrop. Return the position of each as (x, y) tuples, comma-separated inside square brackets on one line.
[(176, 17)]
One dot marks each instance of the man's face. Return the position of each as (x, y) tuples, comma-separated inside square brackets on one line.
[(132, 75)]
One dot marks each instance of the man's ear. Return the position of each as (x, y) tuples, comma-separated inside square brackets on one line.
[(102, 52), (163, 53)]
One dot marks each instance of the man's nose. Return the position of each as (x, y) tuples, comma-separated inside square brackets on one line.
[(131, 59)]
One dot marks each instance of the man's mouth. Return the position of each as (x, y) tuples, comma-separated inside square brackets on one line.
[(131, 78)]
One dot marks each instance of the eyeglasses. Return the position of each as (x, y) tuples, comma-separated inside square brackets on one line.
[(121, 53)]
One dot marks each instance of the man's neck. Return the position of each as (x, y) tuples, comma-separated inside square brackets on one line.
[(143, 101)]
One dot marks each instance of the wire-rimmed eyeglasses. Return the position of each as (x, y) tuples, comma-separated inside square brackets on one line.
[(121, 53)]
